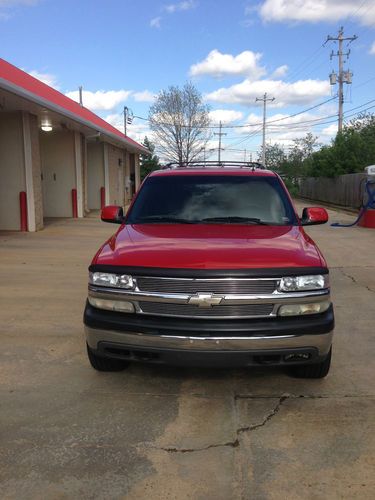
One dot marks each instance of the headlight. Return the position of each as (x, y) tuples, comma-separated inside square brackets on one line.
[(112, 305), (112, 280), (300, 283), (301, 309)]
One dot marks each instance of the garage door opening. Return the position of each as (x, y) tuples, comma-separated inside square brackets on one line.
[(57, 151), (95, 175)]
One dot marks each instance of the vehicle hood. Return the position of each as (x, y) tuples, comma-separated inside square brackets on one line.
[(210, 246)]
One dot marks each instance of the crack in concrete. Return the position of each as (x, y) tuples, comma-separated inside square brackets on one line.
[(354, 280), (241, 430), (266, 420), (232, 444), (306, 396)]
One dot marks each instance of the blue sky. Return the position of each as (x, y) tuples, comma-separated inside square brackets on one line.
[(125, 52)]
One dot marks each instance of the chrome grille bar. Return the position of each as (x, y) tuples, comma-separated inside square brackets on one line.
[(221, 311), (190, 285)]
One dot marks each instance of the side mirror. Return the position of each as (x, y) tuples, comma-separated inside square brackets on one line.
[(112, 213), (314, 215)]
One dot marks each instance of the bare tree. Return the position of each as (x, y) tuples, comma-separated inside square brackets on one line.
[(180, 122)]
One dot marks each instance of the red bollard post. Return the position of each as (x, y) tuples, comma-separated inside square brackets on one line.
[(102, 197), (74, 203), (23, 211)]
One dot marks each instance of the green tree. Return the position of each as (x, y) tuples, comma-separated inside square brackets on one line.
[(275, 156), (297, 161), (149, 162), (179, 121), (351, 151)]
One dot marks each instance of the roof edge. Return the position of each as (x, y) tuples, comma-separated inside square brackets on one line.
[(22, 92)]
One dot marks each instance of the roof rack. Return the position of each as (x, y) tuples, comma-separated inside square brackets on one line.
[(215, 164)]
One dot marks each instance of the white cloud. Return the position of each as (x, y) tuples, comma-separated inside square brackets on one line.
[(218, 65), (46, 78), (280, 71), (137, 130), (315, 11), (372, 49), (7, 6), (244, 93), (171, 9), (155, 22), (144, 96), (101, 99), (330, 131), (225, 116), (175, 7), (15, 3)]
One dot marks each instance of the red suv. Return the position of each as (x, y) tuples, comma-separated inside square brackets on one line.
[(211, 266)]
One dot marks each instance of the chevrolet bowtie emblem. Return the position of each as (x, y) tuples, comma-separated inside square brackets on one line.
[(205, 300)]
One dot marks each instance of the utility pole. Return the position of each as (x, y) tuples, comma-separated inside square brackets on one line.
[(265, 99), (220, 134), (80, 89), (343, 76), (126, 109), (128, 117), (204, 155)]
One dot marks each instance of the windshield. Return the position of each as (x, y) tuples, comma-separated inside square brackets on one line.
[(212, 199)]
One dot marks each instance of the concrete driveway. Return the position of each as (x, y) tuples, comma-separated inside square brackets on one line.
[(68, 432)]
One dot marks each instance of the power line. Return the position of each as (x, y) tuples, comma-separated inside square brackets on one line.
[(220, 134), (264, 99), (254, 124), (343, 76)]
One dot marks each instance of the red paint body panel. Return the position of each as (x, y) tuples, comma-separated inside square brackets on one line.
[(210, 246), (316, 215)]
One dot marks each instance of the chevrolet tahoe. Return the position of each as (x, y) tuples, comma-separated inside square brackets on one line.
[(211, 266)]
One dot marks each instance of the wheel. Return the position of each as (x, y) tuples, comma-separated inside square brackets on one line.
[(316, 370), (103, 364)]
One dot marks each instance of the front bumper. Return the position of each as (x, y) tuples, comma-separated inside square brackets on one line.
[(209, 343)]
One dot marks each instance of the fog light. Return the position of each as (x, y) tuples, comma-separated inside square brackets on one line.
[(112, 305), (302, 309), (301, 356)]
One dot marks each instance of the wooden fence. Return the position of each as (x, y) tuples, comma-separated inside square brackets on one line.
[(345, 190)]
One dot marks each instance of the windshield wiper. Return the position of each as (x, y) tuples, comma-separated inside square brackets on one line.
[(235, 219), (164, 218)]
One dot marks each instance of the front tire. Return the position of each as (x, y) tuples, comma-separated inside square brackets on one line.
[(316, 370), (103, 364)]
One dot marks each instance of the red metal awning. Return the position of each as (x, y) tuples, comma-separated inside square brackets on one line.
[(21, 83)]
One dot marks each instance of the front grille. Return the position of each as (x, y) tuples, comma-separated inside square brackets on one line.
[(220, 311), (222, 286)]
